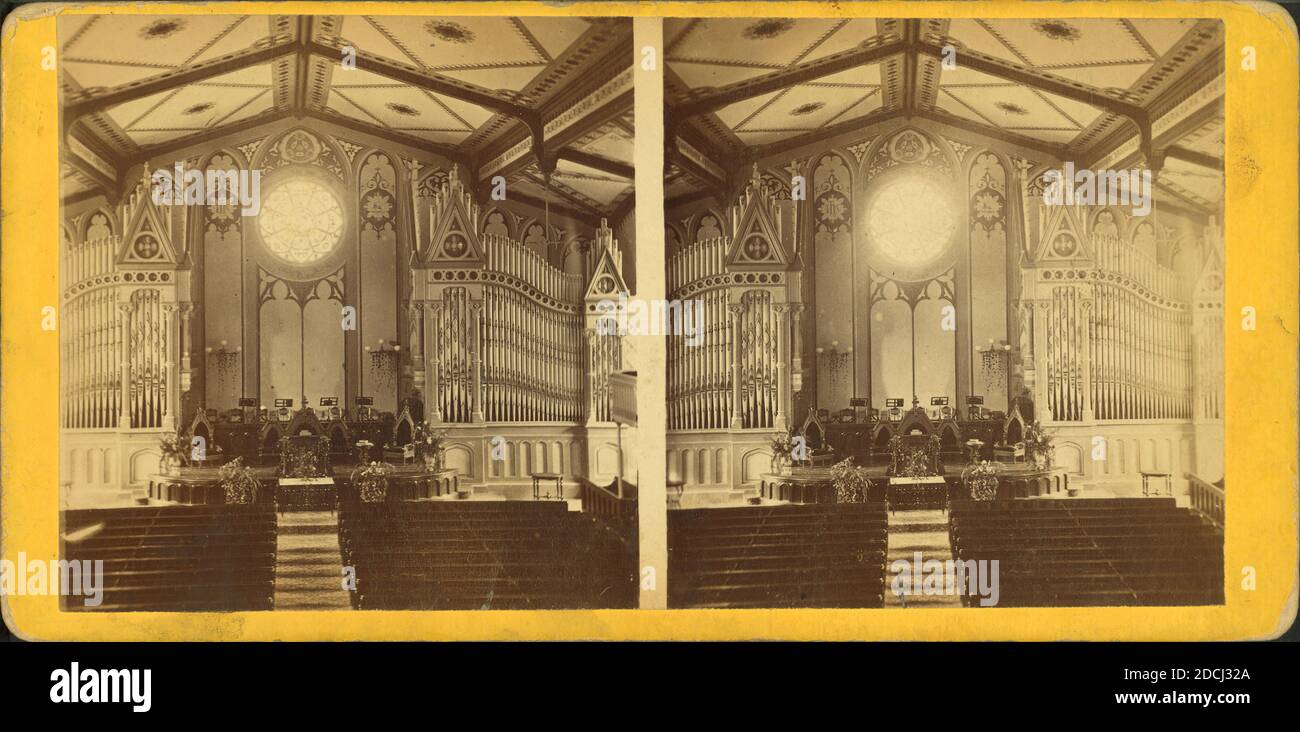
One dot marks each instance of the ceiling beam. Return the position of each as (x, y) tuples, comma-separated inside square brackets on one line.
[(1168, 137), (871, 50), (107, 185), (718, 185), (544, 152), (1059, 152), (597, 162), (192, 75), (983, 63), (1204, 160), (856, 124), (911, 64), (624, 207), (302, 65), (215, 133), (1073, 90), (451, 152), (581, 215), (428, 81), (1174, 199), (558, 190)]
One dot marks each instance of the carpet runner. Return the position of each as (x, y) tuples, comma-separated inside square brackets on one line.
[(916, 535), (308, 565)]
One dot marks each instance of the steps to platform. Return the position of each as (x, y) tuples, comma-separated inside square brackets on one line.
[(917, 537), (308, 565), (773, 556)]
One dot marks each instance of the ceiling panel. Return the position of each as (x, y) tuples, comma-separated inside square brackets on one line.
[(525, 62), (718, 51), (171, 114), (112, 50), (611, 140)]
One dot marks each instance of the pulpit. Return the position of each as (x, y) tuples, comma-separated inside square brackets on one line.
[(306, 480), (916, 477)]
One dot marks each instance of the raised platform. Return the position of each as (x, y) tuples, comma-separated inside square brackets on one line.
[(202, 486), (814, 485)]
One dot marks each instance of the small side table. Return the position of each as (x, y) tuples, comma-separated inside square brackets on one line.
[(1169, 487), (537, 483)]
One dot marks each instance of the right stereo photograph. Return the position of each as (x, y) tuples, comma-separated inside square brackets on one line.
[(957, 289)]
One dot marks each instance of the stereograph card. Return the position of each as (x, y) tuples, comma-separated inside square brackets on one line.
[(688, 321)]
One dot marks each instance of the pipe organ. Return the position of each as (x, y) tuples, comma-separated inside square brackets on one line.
[(699, 377), (1116, 349), (124, 316), (737, 375), (1112, 337), (506, 338)]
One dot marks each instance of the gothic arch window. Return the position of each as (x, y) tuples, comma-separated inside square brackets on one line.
[(301, 221)]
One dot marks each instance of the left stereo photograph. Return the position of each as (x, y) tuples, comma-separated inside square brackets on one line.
[(330, 294)]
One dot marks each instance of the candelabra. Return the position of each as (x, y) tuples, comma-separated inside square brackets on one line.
[(226, 364), (383, 365)]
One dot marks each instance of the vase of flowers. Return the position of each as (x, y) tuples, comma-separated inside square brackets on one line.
[(982, 480), (1038, 445), (429, 445), (849, 481), (175, 452), (372, 482), (782, 446), (238, 482)]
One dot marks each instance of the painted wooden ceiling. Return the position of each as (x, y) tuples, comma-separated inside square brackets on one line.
[(136, 87), (742, 89)]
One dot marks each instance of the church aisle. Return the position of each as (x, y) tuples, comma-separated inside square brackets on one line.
[(914, 533), (308, 565)]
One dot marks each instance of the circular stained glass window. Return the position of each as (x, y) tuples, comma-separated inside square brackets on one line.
[(911, 221), (301, 221)]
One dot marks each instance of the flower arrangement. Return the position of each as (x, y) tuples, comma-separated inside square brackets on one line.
[(782, 446), (238, 482), (372, 482), (1038, 444), (850, 482), (428, 443), (982, 480), (788, 448), (175, 450)]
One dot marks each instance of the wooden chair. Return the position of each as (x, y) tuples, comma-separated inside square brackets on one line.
[(813, 432)]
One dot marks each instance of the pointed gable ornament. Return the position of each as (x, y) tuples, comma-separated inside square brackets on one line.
[(147, 236), (453, 240), (1063, 235), (607, 276), (756, 223)]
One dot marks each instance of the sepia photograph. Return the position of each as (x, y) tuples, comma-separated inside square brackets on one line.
[(328, 321), (962, 290)]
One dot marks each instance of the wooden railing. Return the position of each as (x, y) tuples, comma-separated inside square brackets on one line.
[(1207, 499), (606, 503)]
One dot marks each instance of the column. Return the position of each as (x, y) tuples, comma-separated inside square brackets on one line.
[(476, 319), (1042, 410), (1084, 339), (735, 310), (124, 326), (780, 422), (170, 365)]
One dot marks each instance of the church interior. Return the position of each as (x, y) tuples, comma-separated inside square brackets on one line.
[(326, 286), (915, 347)]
